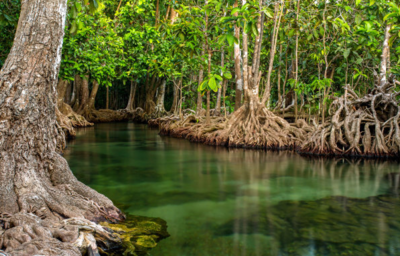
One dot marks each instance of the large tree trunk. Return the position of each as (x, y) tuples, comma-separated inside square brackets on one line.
[(35, 178)]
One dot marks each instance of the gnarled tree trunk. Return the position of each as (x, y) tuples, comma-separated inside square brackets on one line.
[(35, 178)]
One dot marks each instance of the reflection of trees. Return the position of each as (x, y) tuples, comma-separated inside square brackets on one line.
[(252, 183), (259, 176)]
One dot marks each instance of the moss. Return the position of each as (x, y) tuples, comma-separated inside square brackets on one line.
[(139, 234), (146, 241)]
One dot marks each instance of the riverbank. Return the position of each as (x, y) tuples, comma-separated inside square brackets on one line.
[(218, 201), (195, 129)]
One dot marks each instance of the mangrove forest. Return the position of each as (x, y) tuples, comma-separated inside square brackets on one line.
[(199, 127)]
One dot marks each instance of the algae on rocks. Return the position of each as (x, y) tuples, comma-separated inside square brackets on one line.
[(138, 234)]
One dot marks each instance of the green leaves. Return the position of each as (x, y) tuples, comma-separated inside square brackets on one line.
[(230, 38), (93, 5), (73, 28), (346, 53), (227, 75), (371, 2), (213, 84), (268, 12)]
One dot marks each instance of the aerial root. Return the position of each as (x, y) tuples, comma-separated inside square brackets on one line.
[(259, 128), (360, 126)]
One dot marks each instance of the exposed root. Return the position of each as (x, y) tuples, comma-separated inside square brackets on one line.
[(158, 112), (57, 215), (28, 234), (366, 126), (68, 119), (258, 128)]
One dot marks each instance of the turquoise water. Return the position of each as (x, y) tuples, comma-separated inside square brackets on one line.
[(241, 202)]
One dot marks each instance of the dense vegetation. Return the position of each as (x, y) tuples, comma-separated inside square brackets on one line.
[(315, 76), (192, 57)]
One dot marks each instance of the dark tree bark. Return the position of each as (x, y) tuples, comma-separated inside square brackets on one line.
[(77, 93), (150, 95), (175, 89), (34, 177), (88, 106), (68, 93), (84, 94)]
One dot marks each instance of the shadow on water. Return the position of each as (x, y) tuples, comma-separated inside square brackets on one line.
[(220, 201)]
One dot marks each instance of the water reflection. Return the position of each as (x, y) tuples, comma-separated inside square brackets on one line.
[(221, 201)]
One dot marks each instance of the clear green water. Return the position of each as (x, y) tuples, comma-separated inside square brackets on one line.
[(240, 202)]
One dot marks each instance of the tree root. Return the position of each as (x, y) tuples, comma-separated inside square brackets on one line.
[(360, 126), (55, 214), (68, 119), (245, 128)]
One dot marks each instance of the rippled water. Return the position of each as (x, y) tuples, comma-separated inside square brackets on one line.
[(241, 202)]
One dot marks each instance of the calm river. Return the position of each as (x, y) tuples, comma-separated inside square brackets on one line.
[(220, 201)]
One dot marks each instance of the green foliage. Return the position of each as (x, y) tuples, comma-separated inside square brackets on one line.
[(115, 47)]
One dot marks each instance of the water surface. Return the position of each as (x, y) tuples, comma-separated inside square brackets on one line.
[(241, 202)]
